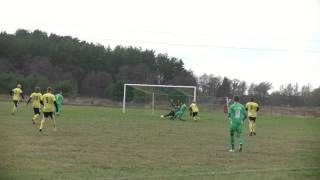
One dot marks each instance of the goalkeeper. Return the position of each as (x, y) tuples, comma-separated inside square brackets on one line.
[(237, 114), (180, 112)]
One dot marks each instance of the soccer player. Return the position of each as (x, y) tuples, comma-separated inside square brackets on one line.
[(237, 114), (16, 94), (252, 108), (48, 101), (194, 110), (180, 112), (59, 100), (173, 109), (36, 98)]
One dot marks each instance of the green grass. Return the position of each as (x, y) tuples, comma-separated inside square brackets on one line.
[(104, 143)]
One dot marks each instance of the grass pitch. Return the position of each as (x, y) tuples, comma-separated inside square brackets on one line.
[(103, 143)]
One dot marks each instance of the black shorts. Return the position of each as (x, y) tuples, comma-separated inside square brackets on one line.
[(48, 114), (252, 119), (194, 114), (36, 110), (16, 103)]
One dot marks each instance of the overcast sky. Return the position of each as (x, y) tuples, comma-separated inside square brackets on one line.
[(252, 40)]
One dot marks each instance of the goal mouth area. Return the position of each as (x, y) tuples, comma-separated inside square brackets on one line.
[(168, 92)]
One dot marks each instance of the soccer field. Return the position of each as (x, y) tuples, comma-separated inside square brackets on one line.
[(103, 143)]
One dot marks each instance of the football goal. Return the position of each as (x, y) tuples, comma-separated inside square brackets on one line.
[(157, 93)]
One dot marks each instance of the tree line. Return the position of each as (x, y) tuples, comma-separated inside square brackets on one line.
[(81, 68), (288, 94)]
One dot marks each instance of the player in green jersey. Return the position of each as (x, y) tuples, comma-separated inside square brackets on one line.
[(180, 112), (237, 114), (59, 100)]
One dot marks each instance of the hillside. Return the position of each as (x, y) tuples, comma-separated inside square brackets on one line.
[(82, 68)]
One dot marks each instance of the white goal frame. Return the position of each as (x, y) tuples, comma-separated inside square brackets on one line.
[(152, 85)]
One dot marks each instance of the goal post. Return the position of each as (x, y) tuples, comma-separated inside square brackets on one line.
[(152, 85)]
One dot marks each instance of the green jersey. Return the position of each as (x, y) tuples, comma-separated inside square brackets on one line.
[(183, 108), (59, 98), (237, 113), (181, 111)]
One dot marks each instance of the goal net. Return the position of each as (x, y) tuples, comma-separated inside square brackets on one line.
[(156, 96)]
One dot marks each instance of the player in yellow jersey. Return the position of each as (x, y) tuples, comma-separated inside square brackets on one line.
[(194, 110), (252, 109), (16, 94), (49, 103), (36, 98)]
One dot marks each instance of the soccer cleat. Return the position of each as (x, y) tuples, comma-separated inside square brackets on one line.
[(240, 148), (231, 150), (40, 130), (250, 133), (254, 133)]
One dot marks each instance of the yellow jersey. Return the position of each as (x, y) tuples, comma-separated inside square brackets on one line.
[(16, 94), (252, 109), (36, 98), (194, 107), (48, 102)]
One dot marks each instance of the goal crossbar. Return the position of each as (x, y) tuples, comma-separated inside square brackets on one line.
[(154, 85)]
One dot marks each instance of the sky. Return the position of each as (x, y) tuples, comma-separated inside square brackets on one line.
[(252, 40)]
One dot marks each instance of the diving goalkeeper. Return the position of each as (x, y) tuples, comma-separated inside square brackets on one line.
[(180, 112)]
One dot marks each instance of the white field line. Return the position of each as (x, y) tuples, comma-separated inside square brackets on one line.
[(217, 173)]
